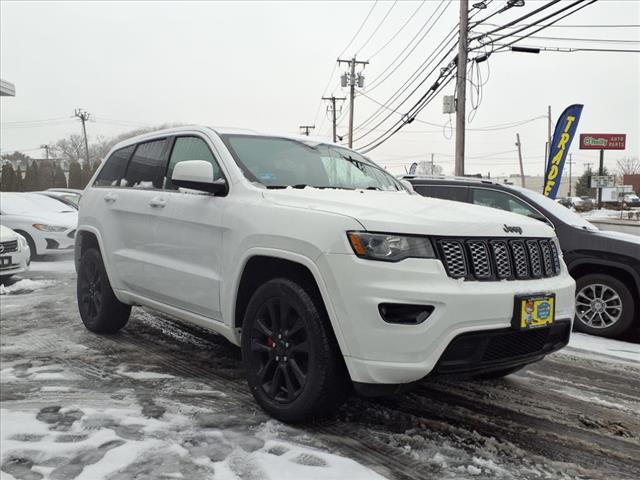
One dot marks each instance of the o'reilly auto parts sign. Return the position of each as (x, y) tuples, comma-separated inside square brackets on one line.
[(603, 141)]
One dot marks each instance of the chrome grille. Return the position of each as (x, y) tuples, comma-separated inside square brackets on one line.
[(520, 259), (546, 258), (8, 247), (499, 259), (479, 258), (454, 258), (534, 258), (555, 257)]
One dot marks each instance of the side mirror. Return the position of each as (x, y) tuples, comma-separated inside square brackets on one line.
[(198, 175)]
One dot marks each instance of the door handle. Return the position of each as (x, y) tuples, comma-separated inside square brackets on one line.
[(158, 202), (110, 197)]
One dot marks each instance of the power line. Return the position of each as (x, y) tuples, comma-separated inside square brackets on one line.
[(375, 30), (581, 26), (335, 65), (398, 31), (569, 49), (373, 82)]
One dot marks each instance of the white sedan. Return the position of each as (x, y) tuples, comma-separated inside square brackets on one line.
[(48, 225), (14, 253)]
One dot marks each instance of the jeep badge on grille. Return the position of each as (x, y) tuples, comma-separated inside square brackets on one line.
[(512, 229)]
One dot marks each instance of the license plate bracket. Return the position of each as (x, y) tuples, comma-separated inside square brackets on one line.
[(534, 311), (5, 261)]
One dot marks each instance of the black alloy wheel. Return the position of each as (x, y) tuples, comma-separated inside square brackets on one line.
[(293, 363), (279, 347), (100, 310), (90, 290)]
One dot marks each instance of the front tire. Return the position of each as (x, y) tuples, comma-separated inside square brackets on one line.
[(291, 357), (100, 310), (604, 306)]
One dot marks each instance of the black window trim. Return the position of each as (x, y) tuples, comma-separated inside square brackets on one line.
[(173, 139), (93, 185), (164, 159)]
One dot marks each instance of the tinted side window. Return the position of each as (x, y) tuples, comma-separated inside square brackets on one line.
[(503, 201), (146, 168), (189, 148), (458, 194), (114, 168)]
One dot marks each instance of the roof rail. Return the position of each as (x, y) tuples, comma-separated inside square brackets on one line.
[(449, 177)]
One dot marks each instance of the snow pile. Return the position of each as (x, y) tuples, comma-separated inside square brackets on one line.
[(121, 443), (605, 346), (25, 286)]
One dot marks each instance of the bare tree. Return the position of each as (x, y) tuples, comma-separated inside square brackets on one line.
[(629, 166)]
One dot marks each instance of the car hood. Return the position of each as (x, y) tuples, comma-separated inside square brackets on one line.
[(7, 235), (399, 212)]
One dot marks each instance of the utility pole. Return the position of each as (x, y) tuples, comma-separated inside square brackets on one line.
[(46, 150), (548, 147), (306, 129), (350, 79), (333, 100), (600, 173), (432, 163), (84, 117), (461, 87), (519, 145), (571, 162)]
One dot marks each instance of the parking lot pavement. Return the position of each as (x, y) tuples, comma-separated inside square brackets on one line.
[(162, 399)]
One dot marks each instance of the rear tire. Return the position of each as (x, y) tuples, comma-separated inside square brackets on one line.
[(291, 357), (604, 306), (100, 310)]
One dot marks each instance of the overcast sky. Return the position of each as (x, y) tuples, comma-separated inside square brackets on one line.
[(264, 65)]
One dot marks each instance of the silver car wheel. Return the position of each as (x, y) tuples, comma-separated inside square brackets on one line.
[(598, 306)]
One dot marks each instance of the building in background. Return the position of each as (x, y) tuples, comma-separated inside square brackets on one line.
[(536, 183)]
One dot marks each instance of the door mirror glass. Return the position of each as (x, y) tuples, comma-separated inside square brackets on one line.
[(198, 175)]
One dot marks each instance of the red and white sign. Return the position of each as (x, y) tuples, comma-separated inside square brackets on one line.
[(603, 141)]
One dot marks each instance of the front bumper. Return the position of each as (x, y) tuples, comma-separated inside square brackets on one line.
[(382, 353), (51, 243), (19, 262)]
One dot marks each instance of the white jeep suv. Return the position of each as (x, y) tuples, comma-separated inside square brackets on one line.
[(325, 269)]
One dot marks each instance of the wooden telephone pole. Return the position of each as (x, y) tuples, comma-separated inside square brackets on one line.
[(461, 87), (519, 145), (351, 82), (333, 100)]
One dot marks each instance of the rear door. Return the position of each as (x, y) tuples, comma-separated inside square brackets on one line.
[(133, 204), (188, 237)]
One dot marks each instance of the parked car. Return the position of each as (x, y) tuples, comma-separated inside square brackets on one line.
[(72, 195), (605, 265), (14, 253), (70, 199), (319, 264), (631, 200), (48, 225)]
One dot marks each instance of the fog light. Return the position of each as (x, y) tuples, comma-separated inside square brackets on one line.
[(404, 314)]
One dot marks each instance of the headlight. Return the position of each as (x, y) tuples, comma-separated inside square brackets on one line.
[(23, 241), (389, 247), (48, 228)]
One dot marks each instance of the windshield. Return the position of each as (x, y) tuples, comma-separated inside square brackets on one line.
[(30, 203), (560, 212), (281, 162)]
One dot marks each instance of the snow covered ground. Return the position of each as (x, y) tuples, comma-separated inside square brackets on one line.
[(165, 400)]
